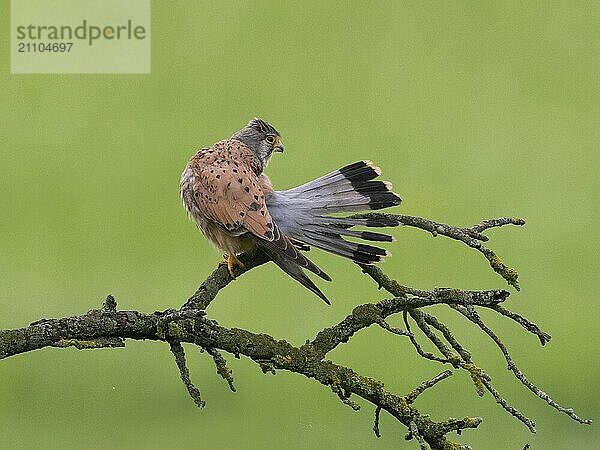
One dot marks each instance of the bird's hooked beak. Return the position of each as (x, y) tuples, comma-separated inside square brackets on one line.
[(279, 147)]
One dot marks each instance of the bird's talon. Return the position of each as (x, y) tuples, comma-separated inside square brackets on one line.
[(231, 261)]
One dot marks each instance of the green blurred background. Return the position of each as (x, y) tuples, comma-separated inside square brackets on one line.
[(473, 109)]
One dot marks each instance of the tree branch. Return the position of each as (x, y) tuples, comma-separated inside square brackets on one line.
[(109, 327)]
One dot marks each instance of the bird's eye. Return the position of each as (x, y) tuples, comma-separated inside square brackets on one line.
[(270, 139)]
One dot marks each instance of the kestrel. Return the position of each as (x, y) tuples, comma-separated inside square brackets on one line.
[(225, 191)]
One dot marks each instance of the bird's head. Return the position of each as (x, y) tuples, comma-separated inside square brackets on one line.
[(262, 139)]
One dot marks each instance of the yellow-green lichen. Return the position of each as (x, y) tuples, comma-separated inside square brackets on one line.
[(476, 375), (335, 383), (470, 422), (397, 289), (452, 446), (176, 331), (366, 314), (508, 273), (224, 371), (160, 331), (454, 359), (283, 360), (372, 384)]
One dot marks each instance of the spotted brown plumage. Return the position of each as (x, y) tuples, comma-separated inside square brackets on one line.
[(227, 191), (233, 203)]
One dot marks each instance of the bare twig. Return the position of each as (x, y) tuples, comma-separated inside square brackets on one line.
[(486, 381), (412, 395), (528, 325), (470, 313), (394, 330), (417, 346), (376, 422)]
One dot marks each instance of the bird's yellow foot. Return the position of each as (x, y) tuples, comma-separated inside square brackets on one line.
[(231, 261)]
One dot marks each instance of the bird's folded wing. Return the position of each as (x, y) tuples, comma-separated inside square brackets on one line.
[(232, 197)]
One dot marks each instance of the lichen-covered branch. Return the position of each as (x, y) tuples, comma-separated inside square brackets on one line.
[(471, 236), (197, 329), (220, 278), (110, 327), (179, 353)]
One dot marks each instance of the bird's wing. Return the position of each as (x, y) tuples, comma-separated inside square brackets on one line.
[(229, 193)]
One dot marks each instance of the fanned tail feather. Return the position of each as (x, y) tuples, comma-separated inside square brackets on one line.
[(303, 213)]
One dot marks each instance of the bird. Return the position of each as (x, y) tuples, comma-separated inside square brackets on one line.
[(232, 201)]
